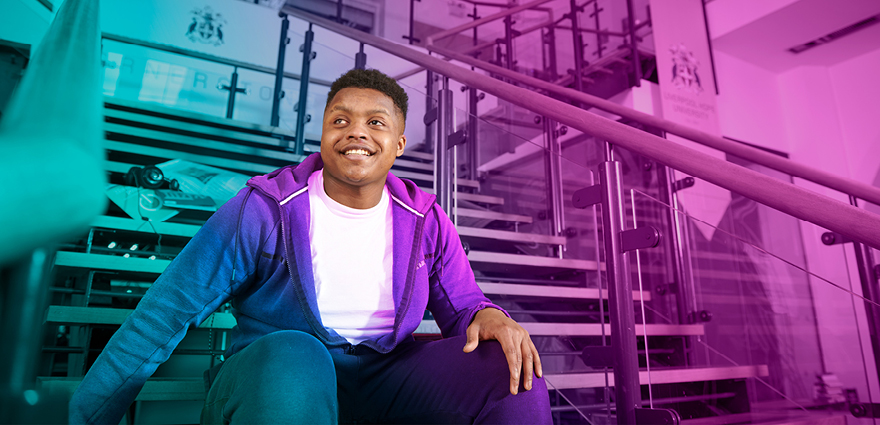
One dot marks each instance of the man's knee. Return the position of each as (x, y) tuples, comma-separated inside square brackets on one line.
[(291, 355), (283, 377)]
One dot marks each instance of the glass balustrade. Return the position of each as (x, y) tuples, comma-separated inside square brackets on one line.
[(764, 337), (730, 320)]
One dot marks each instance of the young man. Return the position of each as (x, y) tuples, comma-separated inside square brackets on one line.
[(330, 265)]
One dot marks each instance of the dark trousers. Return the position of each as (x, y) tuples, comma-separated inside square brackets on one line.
[(291, 377)]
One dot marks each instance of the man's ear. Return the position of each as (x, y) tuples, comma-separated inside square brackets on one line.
[(401, 143)]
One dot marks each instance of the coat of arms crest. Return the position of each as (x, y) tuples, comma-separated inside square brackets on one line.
[(206, 26), (684, 69)]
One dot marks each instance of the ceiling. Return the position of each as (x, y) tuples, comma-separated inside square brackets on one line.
[(765, 41)]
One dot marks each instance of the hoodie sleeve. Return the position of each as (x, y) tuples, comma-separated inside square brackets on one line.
[(194, 285), (455, 296)]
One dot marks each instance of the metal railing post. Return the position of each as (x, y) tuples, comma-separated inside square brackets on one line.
[(578, 43), (553, 171), (636, 63), (595, 16), (870, 291), (441, 153), (360, 58), (620, 301), (473, 153), (308, 55), (277, 94)]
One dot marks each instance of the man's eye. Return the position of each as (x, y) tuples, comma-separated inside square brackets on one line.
[(338, 121), (375, 122)]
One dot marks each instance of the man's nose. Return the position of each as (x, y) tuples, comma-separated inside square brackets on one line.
[(357, 131)]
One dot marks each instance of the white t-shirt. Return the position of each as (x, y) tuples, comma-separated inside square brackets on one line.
[(352, 261)]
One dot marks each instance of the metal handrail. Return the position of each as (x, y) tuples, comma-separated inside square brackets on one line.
[(804, 204), (207, 57), (758, 156)]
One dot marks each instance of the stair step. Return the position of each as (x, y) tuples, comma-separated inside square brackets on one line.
[(596, 329), (245, 167), (145, 113), (162, 228), (585, 329), (116, 316), (492, 215), (110, 262), (209, 130), (179, 114), (512, 263), (473, 197), (206, 143), (778, 417), (504, 235), (155, 389), (567, 381), (551, 291)]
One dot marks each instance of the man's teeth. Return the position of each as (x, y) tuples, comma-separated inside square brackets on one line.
[(357, 152)]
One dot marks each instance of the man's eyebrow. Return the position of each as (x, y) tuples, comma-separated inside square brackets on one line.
[(370, 112)]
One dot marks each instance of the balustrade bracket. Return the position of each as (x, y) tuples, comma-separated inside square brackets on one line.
[(457, 138), (431, 116), (640, 238), (683, 184), (598, 356), (587, 197)]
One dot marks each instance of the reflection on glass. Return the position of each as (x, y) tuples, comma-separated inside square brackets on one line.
[(753, 328), (133, 72)]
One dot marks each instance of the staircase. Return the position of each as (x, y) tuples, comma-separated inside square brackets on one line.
[(547, 271), (502, 221)]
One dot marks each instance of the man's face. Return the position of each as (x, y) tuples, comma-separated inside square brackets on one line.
[(362, 135)]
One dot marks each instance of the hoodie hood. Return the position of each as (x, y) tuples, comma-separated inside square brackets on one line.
[(286, 182)]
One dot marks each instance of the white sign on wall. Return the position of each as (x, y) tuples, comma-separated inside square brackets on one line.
[(687, 89)]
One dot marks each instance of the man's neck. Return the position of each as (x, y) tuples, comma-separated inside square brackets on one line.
[(358, 197)]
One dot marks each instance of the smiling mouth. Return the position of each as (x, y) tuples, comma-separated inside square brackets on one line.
[(363, 152)]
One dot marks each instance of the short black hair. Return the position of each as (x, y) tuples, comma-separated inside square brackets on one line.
[(371, 79)]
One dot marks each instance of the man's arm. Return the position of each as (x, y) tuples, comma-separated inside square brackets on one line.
[(193, 286), (460, 307)]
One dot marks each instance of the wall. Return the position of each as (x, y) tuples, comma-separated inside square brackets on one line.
[(25, 21), (749, 103), (856, 92)]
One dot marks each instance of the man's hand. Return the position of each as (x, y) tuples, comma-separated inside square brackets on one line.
[(522, 356)]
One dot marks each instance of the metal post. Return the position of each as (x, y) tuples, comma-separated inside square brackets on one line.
[(410, 38), (620, 301), (508, 41), (473, 152), (24, 299), (233, 90), (870, 291), (550, 40), (277, 94), (360, 58), (578, 47), (636, 63), (430, 103), (338, 12), (441, 153), (553, 171), (674, 243), (306, 48), (595, 16)]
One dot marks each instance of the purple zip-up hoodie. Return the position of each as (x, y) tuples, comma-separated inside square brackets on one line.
[(255, 251)]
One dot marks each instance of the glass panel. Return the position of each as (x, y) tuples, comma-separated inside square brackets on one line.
[(741, 331), (544, 272), (138, 73)]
